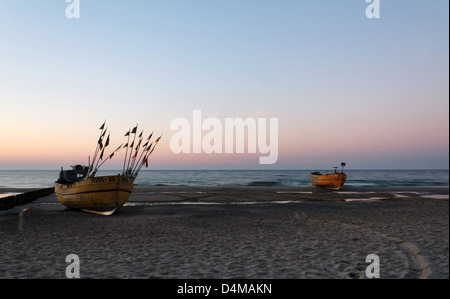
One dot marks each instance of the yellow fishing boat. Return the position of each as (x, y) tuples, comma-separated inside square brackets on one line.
[(101, 195), (81, 189), (332, 181)]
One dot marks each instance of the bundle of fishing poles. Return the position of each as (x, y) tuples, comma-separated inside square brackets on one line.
[(131, 164)]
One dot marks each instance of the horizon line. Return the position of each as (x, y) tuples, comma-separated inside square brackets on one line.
[(242, 169)]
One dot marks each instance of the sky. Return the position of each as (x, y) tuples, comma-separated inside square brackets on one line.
[(373, 92)]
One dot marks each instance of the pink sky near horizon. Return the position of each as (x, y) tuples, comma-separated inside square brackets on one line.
[(303, 145)]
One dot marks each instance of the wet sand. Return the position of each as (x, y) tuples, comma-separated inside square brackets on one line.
[(234, 232)]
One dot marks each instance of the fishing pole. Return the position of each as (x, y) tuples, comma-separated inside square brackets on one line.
[(145, 150), (137, 148), (109, 157), (126, 153), (132, 144), (101, 155), (99, 144), (145, 160)]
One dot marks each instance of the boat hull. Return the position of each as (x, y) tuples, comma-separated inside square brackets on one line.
[(332, 181), (101, 195)]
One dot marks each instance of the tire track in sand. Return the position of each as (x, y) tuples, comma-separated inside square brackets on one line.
[(417, 266), (417, 263)]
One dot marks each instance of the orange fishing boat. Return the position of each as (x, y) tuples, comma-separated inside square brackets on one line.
[(332, 181), (80, 188), (100, 195)]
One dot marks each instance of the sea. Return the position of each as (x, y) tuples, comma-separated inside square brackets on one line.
[(290, 178)]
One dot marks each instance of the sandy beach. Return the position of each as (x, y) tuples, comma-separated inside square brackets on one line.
[(235, 232)]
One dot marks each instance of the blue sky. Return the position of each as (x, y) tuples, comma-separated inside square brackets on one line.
[(380, 85)]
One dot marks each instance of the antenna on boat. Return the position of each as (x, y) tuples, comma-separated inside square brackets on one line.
[(343, 165)]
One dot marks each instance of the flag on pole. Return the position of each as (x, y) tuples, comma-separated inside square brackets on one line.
[(137, 149), (137, 146), (120, 146), (103, 126), (127, 133), (112, 155), (107, 141), (134, 130), (146, 162)]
